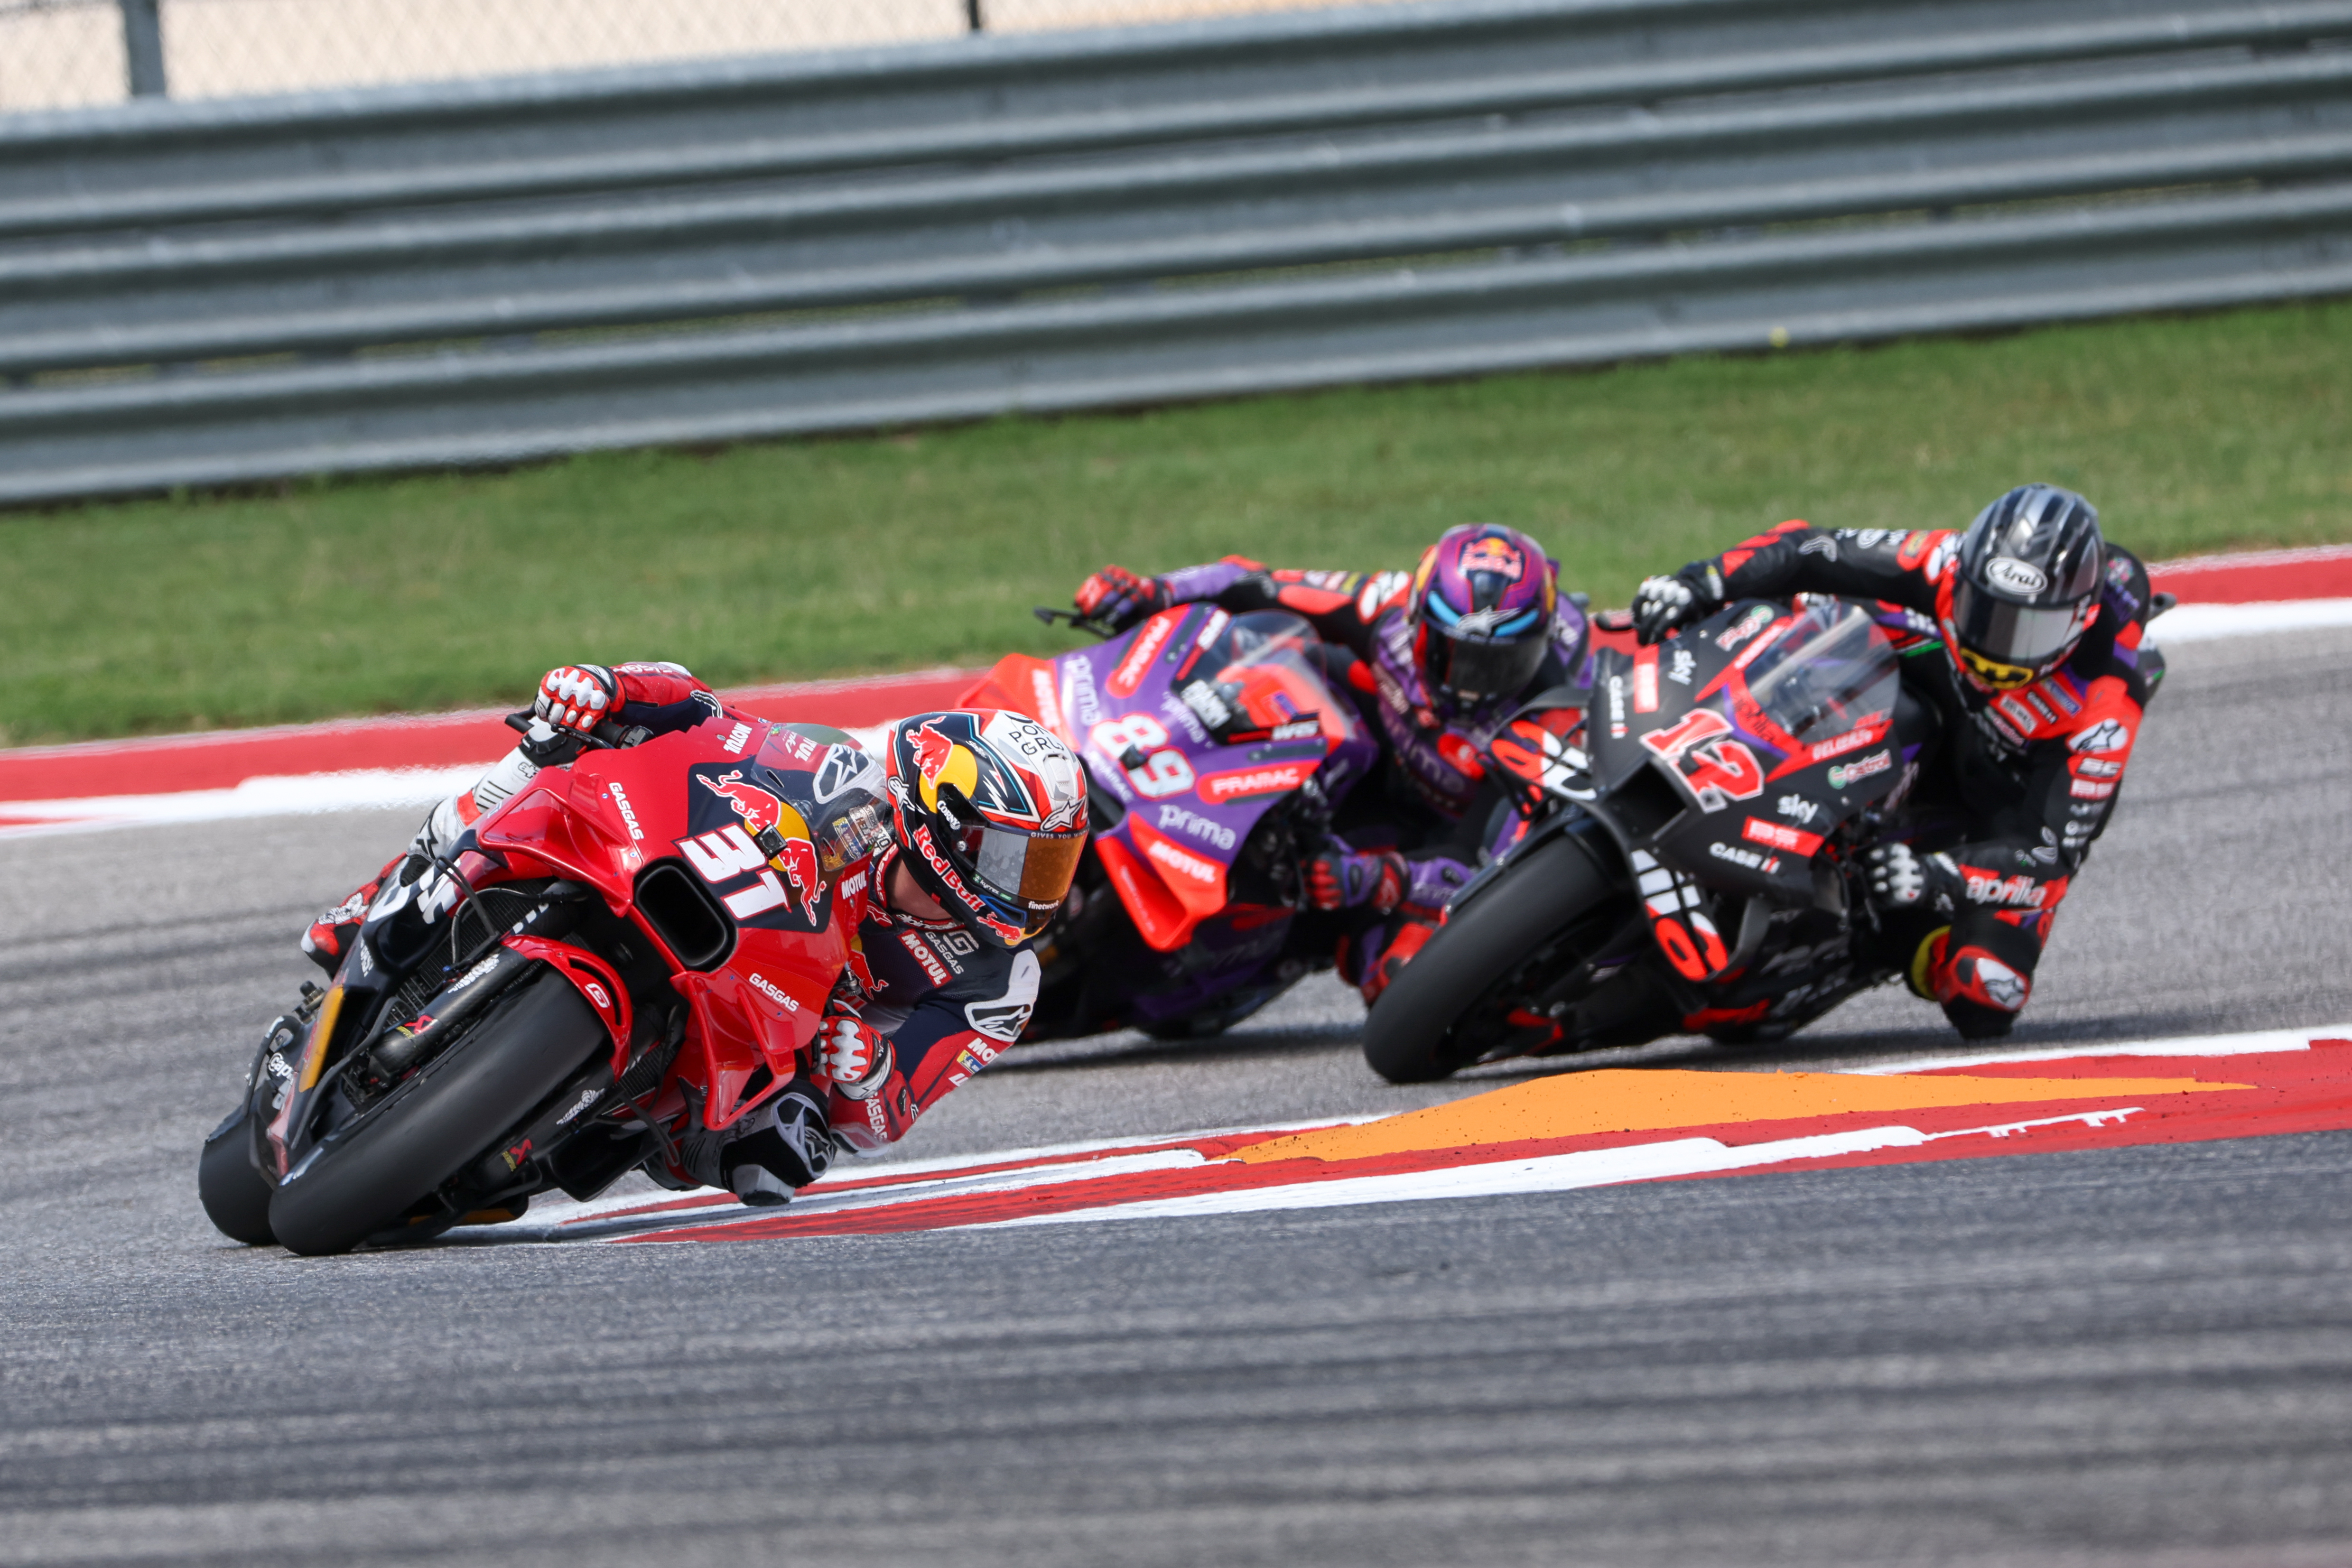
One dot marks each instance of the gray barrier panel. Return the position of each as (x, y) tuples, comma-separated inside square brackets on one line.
[(221, 292)]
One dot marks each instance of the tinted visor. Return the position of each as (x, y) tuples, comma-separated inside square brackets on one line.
[(1030, 874), (2006, 644), (1475, 670)]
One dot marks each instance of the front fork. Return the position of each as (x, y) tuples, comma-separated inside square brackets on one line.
[(271, 1078)]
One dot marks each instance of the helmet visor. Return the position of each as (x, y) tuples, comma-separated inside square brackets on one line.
[(2005, 644), (1029, 871), (1474, 671)]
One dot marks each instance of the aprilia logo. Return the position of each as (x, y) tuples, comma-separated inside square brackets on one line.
[(2018, 892)]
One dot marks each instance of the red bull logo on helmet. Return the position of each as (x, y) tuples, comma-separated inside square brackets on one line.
[(940, 760), (1500, 556)]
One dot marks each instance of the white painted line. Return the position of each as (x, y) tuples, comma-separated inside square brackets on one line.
[(1546, 1172), (815, 1200), (555, 1215), (358, 790), (2206, 623), (2255, 1044), (353, 789), (2259, 558)]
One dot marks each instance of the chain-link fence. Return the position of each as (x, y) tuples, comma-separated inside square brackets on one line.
[(57, 53)]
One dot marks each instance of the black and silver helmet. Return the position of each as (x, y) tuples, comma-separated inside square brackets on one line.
[(2025, 587)]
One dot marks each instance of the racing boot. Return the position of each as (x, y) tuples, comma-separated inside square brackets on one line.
[(1981, 992), (1370, 959), (329, 941)]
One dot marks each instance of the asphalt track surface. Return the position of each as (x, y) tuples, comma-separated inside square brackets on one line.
[(2136, 1355)]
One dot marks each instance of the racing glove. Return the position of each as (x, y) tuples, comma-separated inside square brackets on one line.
[(851, 1056), (1901, 880), (1664, 603), (1344, 878), (1118, 598), (578, 696)]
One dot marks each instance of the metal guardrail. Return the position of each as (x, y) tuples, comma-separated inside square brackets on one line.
[(229, 291)]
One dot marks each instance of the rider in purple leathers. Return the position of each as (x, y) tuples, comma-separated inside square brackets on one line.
[(1437, 659)]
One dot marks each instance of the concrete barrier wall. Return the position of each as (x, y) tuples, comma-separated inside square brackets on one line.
[(206, 293)]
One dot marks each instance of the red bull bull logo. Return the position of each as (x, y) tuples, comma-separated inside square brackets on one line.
[(932, 751), (789, 852), (797, 862), (1498, 556), (758, 808)]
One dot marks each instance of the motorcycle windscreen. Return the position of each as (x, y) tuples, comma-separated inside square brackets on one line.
[(1261, 674), (1830, 669)]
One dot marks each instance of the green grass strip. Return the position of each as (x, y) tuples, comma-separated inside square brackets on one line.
[(827, 556)]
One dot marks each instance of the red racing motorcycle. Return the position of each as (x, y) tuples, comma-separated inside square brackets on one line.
[(639, 943)]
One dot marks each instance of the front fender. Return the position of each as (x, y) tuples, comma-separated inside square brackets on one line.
[(595, 981), (1570, 823)]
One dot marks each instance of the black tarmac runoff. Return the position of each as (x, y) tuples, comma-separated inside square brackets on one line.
[(2133, 1356)]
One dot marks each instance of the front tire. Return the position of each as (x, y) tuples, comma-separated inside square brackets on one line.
[(1411, 1036), (375, 1172)]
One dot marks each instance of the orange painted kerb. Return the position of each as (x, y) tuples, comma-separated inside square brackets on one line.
[(1632, 1100)]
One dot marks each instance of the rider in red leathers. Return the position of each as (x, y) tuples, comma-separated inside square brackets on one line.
[(2042, 686), (1435, 659), (987, 814)]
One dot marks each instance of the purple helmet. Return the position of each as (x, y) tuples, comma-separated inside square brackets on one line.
[(1481, 613)]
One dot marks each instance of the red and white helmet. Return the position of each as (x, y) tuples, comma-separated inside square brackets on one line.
[(990, 809)]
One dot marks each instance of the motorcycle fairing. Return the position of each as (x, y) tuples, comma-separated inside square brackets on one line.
[(1191, 777), (1719, 731), (1724, 761), (602, 823)]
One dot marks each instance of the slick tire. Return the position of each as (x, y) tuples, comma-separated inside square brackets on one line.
[(373, 1172), (235, 1198), (1409, 1037)]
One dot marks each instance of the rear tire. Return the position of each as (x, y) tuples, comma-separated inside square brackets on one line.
[(425, 1131), (1408, 1037), (235, 1198)]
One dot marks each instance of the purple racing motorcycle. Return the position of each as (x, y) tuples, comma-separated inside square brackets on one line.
[(1215, 752)]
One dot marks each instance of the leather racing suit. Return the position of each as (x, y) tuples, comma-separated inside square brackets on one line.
[(1428, 798), (2009, 802)]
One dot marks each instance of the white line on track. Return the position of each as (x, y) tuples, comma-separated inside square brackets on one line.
[(2207, 623), (2258, 1043), (1545, 1173)]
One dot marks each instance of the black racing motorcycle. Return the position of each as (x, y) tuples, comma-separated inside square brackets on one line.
[(1689, 859)]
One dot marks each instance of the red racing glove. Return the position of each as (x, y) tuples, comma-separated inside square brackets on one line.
[(1118, 598), (578, 696), (1342, 878), (851, 1056)]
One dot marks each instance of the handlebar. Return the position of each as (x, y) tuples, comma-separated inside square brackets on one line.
[(606, 734), (1050, 616)]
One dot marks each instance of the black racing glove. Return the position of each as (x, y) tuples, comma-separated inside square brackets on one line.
[(1119, 597), (1901, 880), (1661, 604)]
